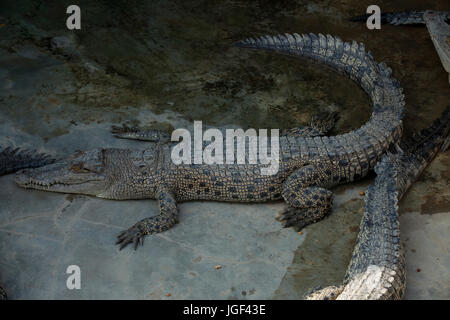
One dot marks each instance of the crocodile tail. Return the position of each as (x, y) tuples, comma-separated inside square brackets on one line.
[(349, 58), (345, 57), (12, 160), (377, 268), (395, 18), (352, 60), (420, 149), (435, 135), (3, 295), (399, 18)]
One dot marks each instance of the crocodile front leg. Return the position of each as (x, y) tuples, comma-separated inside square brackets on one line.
[(168, 216), (135, 133), (308, 200)]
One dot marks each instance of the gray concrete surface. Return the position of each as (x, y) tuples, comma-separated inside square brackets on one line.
[(163, 65)]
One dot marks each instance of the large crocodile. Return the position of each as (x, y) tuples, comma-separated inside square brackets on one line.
[(377, 269), (309, 164), (13, 159)]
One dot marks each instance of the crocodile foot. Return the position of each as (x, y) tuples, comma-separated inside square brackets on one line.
[(320, 125), (324, 122), (126, 132), (298, 218), (134, 235)]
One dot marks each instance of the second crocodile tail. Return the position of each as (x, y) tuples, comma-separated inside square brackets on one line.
[(399, 18), (12, 160)]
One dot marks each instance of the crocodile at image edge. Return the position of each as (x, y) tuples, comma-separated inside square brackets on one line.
[(377, 269), (12, 160)]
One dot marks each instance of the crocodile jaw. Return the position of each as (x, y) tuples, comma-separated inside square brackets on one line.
[(59, 177)]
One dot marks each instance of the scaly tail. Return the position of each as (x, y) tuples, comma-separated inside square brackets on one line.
[(377, 269), (12, 160), (420, 149), (351, 59), (399, 18)]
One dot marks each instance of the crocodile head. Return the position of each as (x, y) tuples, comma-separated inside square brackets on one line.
[(104, 173)]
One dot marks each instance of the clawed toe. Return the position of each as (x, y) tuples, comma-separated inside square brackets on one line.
[(298, 218), (293, 217), (132, 235)]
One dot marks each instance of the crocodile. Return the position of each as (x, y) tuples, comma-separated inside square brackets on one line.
[(14, 159), (377, 269), (310, 163), (438, 25), (437, 22), (402, 18)]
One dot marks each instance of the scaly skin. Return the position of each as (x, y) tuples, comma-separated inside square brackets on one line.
[(308, 166), (12, 160), (401, 18), (3, 295), (377, 270), (439, 30)]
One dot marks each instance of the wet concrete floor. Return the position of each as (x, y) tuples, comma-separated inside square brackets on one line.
[(164, 64)]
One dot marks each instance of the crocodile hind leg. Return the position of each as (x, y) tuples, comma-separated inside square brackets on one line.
[(306, 196), (135, 133), (320, 125), (168, 216)]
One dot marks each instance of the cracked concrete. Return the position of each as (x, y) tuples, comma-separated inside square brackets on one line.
[(163, 65)]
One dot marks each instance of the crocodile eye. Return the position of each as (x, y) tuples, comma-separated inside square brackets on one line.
[(78, 167)]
